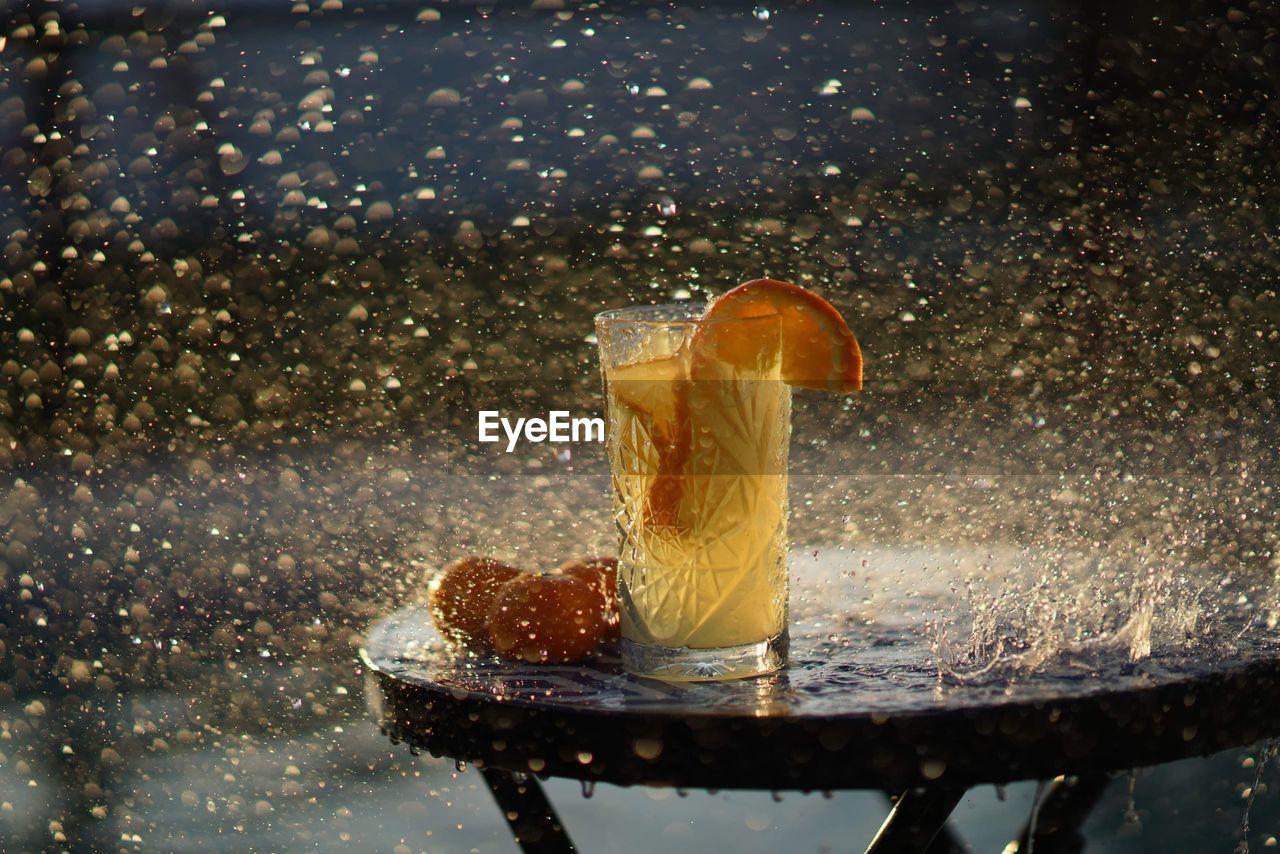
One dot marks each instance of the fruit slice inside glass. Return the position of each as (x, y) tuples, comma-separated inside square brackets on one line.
[(698, 455)]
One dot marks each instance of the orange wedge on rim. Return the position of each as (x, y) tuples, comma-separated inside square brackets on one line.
[(818, 350)]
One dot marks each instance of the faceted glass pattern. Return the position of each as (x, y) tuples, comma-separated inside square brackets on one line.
[(699, 471)]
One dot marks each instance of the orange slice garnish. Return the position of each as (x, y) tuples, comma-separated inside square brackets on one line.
[(818, 350)]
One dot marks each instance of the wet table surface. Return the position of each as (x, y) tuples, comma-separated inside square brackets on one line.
[(861, 704)]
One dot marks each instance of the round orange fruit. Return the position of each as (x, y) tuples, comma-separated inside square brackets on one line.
[(601, 572), (461, 595), (546, 619)]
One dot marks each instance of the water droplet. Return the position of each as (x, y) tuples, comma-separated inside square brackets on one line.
[(588, 788)]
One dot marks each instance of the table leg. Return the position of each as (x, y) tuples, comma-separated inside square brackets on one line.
[(1054, 827), (918, 823), (534, 823)]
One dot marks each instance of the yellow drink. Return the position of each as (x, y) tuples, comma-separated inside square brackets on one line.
[(698, 453)]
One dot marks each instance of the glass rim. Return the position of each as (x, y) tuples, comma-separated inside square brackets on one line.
[(684, 312)]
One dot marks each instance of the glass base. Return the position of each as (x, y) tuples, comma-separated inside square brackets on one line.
[(685, 664)]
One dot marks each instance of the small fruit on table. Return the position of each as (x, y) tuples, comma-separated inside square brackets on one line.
[(601, 571), (483, 604), (547, 619), (461, 595)]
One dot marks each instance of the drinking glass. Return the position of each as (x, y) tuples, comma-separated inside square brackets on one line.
[(698, 456)]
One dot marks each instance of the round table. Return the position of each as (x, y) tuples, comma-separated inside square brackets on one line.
[(861, 705)]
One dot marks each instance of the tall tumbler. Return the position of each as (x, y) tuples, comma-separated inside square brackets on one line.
[(698, 455)]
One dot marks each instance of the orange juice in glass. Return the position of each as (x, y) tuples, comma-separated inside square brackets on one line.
[(698, 405)]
